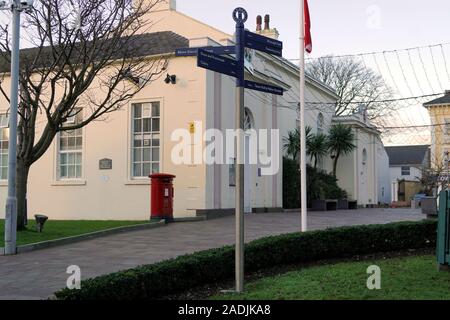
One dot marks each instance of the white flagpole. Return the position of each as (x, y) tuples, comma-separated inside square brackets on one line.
[(304, 204)]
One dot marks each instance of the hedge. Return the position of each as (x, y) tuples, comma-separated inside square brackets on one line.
[(212, 266)]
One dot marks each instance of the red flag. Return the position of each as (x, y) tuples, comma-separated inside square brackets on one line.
[(308, 39)]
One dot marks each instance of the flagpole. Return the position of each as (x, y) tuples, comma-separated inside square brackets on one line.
[(303, 191)]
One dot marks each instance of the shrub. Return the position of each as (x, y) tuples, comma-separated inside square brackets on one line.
[(211, 266), (320, 185)]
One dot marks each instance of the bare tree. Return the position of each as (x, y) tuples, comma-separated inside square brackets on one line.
[(354, 83), (84, 63)]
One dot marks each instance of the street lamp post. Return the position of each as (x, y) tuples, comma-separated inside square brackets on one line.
[(16, 7)]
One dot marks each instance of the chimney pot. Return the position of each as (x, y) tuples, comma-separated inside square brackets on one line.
[(267, 22), (258, 23)]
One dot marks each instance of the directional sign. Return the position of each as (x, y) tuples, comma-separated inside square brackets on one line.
[(263, 87), (265, 44), (187, 52), (217, 63)]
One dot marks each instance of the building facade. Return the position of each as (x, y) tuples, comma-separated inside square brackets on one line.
[(101, 171)]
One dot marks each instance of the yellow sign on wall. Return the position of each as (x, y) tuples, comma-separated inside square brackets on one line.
[(192, 127)]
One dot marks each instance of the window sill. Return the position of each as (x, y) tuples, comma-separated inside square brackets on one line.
[(138, 182), (3, 183), (63, 183)]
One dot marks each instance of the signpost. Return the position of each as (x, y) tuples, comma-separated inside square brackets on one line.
[(217, 63), (260, 43), (212, 58), (187, 52)]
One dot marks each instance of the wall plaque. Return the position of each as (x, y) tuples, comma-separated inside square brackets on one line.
[(105, 164)]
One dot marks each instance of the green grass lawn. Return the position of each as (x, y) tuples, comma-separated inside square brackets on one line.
[(60, 229), (408, 278)]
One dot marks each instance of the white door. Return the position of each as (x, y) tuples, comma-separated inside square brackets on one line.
[(247, 178)]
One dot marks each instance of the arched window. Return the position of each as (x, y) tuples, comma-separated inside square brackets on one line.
[(320, 123), (249, 122)]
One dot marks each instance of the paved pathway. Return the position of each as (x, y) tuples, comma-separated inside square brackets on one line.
[(37, 274)]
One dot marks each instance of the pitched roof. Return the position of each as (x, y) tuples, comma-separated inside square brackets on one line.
[(147, 44), (442, 100), (407, 155)]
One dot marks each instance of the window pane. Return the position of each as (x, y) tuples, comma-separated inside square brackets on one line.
[(146, 170), (63, 172), (138, 140), (79, 172), (155, 168), (155, 141), (78, 143), (71, 171), (137, 156), (155, 125), (137, 111), (146, 155), (137, 170), (71, 158), (63, 158), (137, 126), (147, 125), (146, 110), (4, 173), (155, 109), (4, 160), (155, 154), (63, 143), (78, 158)]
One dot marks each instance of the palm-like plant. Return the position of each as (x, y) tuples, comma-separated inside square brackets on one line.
[(340, 142), (291, 143), (317, 147)]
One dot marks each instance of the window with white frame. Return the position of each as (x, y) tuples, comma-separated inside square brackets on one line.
[(70, 150), (146, 128), (406, 171), (4, 146)]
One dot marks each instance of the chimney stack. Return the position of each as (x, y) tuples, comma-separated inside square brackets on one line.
[(267, 22), (267, 31), (258, 23), (447, 92)]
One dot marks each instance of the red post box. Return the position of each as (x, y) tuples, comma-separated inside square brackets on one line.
[(162, 194)]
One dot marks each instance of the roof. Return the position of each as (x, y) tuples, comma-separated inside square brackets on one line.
[(147, 44), (407, 155), (439, 101)]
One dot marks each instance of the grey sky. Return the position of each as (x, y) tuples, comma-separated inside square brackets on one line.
[(338, 26), (359, 26)]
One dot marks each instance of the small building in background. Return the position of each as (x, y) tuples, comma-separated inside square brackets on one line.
[(406, 166)]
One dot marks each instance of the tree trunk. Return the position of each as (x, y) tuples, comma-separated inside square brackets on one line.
[(21, 190), (335, 165)]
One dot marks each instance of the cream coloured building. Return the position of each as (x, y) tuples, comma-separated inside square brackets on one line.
[(71, 180), (439, 111), (364, 173)]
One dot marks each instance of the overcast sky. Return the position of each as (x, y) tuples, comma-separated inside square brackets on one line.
[(360, 26)]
